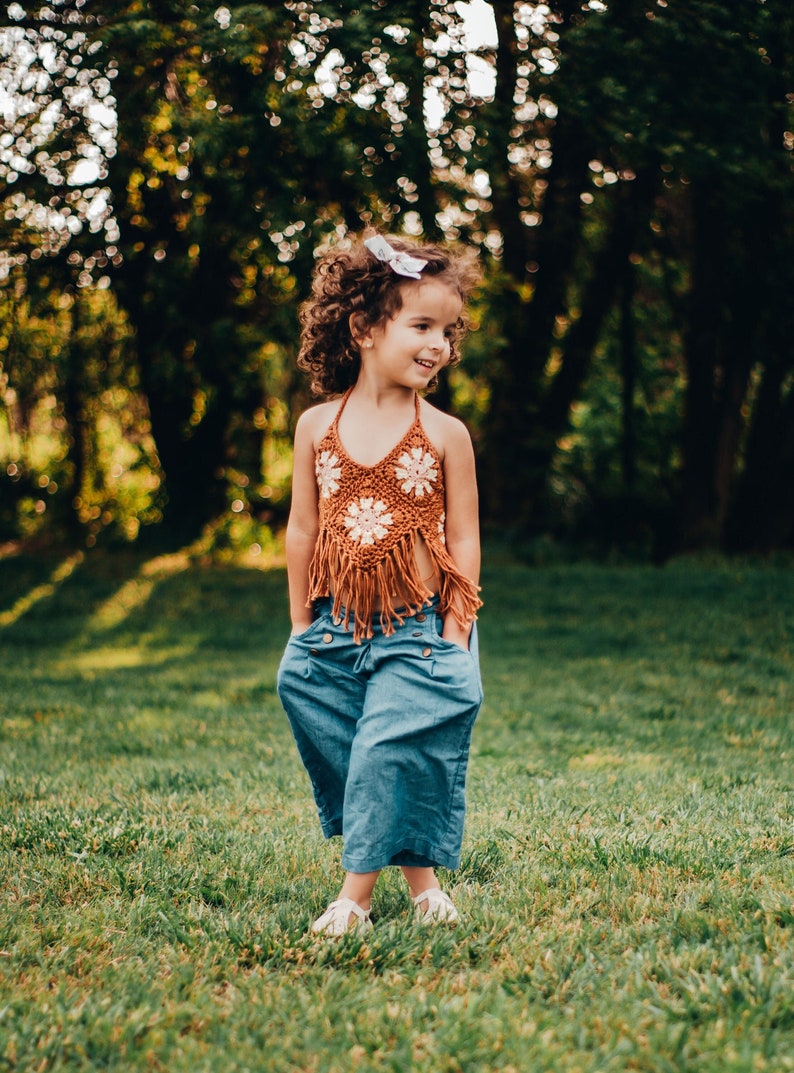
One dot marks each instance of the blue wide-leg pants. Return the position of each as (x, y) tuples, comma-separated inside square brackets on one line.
[(383, 729)]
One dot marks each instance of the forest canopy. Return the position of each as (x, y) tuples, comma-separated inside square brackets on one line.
[(169, 171)]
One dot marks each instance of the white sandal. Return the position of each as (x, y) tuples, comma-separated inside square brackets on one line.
[(440, 909), (336, 921)]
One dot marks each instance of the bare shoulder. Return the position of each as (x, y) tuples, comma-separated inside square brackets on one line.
[(315, 422), (446, 432)]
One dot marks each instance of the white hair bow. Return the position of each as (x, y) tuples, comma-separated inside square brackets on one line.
[(401, 263)]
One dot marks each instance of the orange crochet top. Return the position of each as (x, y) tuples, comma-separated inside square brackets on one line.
[(370, 517)]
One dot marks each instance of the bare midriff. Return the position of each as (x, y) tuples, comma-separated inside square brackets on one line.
[(424, 567)]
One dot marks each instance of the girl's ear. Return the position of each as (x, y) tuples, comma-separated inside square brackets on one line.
[(359, 330)]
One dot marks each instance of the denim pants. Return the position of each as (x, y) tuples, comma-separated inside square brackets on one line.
[(383, 729)]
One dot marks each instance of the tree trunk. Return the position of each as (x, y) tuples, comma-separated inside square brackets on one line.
[(179, 358), (628, 376), (699, 514), (528, 418), (518, 373), (74, 414), (763, 517), (719, 352)]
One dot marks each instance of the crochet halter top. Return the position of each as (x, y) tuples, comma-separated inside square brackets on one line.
[(370, 518)]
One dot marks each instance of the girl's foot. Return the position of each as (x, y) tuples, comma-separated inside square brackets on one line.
[(340, 917), (433, 906)]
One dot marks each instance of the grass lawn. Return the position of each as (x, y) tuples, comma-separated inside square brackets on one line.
[(627, 882)]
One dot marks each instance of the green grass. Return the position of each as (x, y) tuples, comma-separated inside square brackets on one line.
[(627, 880)]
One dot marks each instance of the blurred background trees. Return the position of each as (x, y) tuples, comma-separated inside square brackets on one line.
[(168, 171)]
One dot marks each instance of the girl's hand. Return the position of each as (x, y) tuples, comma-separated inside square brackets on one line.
[(456, 633)]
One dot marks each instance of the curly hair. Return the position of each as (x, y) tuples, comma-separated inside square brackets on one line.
[(352, 281)]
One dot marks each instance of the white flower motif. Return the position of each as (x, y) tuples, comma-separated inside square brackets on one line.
[(368, 520), (328, 473), (416, 470), (442, 527)]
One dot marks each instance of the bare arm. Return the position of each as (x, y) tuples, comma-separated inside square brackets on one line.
[(462, 523), (303, 524)]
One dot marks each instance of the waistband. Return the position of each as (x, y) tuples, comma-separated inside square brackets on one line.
[(324, 604)]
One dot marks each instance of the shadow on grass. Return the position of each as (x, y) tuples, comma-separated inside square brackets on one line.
[(127, 600)]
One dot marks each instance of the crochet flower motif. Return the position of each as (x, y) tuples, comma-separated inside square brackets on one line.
[(442, 527), (368, 520), (416, 470), (328, 473)]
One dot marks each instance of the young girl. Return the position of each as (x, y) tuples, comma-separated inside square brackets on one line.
[(380, 677)]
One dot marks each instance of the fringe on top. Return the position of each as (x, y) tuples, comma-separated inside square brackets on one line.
[(370, 519)]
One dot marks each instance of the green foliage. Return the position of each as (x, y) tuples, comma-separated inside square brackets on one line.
[(194, 158), (74, 433), (627, 868), (616, 473)]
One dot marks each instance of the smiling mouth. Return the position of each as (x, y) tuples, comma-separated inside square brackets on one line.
[(425, 364)]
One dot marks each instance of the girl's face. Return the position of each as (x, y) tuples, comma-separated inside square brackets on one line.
[(411, 347)]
